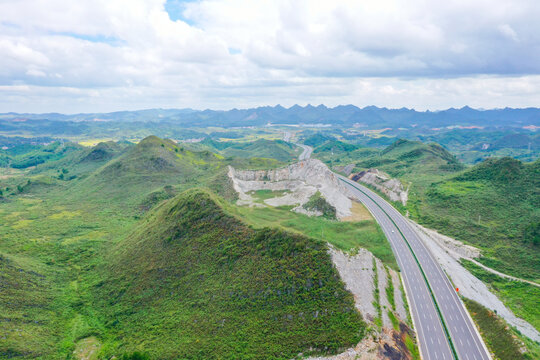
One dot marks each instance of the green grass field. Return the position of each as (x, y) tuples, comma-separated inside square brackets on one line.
[(346, 236)]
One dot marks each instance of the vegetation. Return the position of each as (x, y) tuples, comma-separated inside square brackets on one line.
[(346, 236), (495, 333), (249, 294), (318, 203), (261, 148), (21, 156), (493, 205), (98, 245), (57, 237)]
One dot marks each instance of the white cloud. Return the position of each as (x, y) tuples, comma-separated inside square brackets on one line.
[(113, 54)]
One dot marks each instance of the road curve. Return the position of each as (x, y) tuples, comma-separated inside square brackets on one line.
[(437, 311), (306, 154), (430, 293)]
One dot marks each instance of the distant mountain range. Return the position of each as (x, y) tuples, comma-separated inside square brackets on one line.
[(343, 115)]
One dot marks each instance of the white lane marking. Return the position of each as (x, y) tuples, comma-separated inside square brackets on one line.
[(390, 210)]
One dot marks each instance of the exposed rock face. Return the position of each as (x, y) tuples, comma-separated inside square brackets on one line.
[(358, 274), (347, 169), (393, 188), (302, 180)]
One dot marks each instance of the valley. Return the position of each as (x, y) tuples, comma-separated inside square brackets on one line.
[(102, 241)]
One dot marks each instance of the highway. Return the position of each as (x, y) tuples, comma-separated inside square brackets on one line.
[(306, 154), (444, 328), (427, 306)]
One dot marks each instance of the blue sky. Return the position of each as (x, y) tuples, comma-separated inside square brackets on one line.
[(86, 55)]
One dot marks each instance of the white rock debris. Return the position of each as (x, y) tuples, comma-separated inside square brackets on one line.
[(383, 299), (357, 274)]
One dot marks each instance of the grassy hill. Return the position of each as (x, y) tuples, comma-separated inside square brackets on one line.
[(318, 139), (410, 161), (25, 307), (335, 147), (261, 148), (103, 151), (67, 256), (495, 206), (194, 282), (151, 164)]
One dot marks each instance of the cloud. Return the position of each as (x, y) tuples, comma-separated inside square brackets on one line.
[(232, 52)]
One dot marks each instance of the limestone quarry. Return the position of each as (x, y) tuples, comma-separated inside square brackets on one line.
[(301, 181)]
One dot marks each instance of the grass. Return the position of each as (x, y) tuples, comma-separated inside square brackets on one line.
[(413, 348), (390, 291), (259, 148), (502, 342), (520, 297), (346, 236), (261, 195)]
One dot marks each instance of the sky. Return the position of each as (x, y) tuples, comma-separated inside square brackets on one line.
[(75, 56)]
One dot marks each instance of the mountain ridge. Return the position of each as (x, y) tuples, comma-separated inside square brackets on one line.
[(309, 114)]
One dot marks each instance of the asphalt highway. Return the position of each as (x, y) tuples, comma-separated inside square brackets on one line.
[(420, 272), (306, 154)]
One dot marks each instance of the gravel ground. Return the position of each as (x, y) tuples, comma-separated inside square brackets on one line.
[(357, 274), (398, 296), (383, 299)]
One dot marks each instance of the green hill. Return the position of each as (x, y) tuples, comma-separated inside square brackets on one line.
[(494, 205), (405, 158), (194, 282), (151, 164), (101, 152), (318, 139), (411, 161), (28, 317), (335, 147), (261, 148)]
